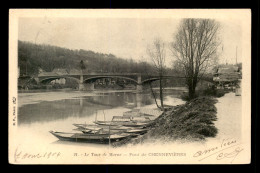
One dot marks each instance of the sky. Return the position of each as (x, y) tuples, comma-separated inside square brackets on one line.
[(124, 37)]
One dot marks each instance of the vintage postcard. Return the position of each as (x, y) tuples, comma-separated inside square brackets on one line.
[(132, 86)]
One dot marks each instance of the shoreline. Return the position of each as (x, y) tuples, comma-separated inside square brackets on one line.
[(226, 126)]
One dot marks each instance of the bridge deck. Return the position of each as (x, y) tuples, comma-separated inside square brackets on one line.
[(130, 76)]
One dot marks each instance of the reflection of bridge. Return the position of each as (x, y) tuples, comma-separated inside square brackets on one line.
[(90, 78)]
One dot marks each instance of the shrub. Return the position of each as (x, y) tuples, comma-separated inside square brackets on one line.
[(205, 92), (185, 97)]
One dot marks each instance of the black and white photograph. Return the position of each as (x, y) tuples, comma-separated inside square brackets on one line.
[(129, 86)]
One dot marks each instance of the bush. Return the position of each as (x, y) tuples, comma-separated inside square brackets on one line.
[(209, 92), (221, 92), (213, 92), (185, 97)]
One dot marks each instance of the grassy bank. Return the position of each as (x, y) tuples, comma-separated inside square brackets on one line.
[(211, 92), (192, 121)]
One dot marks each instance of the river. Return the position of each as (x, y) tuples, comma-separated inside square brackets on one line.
[(42, 111)]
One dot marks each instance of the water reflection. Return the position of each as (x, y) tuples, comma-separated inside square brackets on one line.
[(138, 100), (79, 107), (82, 107)]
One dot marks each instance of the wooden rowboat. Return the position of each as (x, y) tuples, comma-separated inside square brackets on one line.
[(126, 121), (95, 126), (90, 138), (117, 123), (106, 130)]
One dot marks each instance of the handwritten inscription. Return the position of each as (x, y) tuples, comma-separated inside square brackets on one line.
[(232, 154), (19, 155), (228, 148)]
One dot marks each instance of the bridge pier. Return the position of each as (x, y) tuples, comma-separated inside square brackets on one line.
[(86, 87), (90, 86), (81, 84), (37, 80), (81, 87), (139, 86)]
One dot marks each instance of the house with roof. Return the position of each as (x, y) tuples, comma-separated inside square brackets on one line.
[(227, 75)]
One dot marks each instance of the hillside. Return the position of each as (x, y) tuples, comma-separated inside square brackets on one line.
[(31, 57)]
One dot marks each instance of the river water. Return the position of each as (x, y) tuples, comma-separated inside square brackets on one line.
[(40, 112)]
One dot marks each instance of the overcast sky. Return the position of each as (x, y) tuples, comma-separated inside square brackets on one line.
[(125, 38)]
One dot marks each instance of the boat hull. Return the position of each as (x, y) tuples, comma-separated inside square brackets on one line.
[(93, 126), (89, 138), (126, 124), (110, 130)]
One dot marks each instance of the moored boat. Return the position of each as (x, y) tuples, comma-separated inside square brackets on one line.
[(139, 119), (94, 126), (127, 123), (90, 138), (136, 113), (106, 130)]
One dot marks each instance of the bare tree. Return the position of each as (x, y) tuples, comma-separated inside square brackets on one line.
[(157, 54), (195, 48)]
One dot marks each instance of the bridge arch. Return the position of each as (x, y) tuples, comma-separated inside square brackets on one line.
[(206, 79), (49, 79), (149, 80), (101, 77)]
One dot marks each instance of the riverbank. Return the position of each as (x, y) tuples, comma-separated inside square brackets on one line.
[(192, 121), (204, 119)]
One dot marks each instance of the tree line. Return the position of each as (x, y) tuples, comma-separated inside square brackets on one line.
[(32, 57)]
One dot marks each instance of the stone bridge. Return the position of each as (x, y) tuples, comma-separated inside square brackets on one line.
[(90, 78)]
